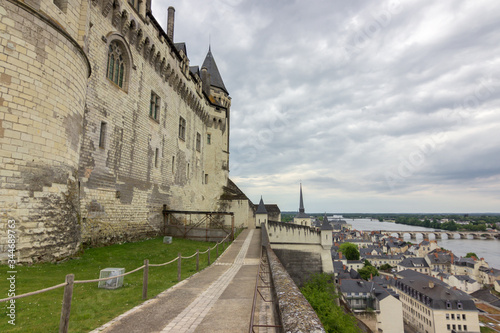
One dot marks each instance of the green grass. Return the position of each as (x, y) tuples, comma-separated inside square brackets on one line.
[(91, 307)]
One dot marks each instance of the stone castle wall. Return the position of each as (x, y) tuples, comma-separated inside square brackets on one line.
[(84, 160), (302, 251), (289, 233), (42, 109)]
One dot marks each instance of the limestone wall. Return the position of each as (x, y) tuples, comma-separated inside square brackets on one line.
[(43, 80), (292, 233), (302, 251), (82, 159), (145, 162)]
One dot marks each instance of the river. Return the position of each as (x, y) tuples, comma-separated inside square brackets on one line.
[(487, 249)]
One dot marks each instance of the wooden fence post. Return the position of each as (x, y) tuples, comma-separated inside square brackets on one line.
[(197, 260), (66, 305), (208, 256), (145, 279), (179, 268)]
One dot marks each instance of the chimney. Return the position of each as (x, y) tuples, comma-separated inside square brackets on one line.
[(340, 255), (441, 278), (170, 23), (205, 81)]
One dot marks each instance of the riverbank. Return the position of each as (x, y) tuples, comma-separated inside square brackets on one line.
[(487, 249)]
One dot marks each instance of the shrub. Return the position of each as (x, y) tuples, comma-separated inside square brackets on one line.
[(319, 291)]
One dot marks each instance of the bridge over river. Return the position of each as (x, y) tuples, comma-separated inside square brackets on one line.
[(438, 234)]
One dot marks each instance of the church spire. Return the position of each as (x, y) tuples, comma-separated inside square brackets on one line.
[(301, 207), (301, 213)]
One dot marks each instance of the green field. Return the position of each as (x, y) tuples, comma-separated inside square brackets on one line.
[(91, 307)]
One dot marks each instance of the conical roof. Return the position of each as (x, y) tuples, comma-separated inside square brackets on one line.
[(262, 208), (213, 71), (301, 213), (326, 225)]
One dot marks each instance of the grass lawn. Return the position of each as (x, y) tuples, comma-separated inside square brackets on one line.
[(91, 307)]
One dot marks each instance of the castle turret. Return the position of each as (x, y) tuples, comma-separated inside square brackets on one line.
[(261, 215)]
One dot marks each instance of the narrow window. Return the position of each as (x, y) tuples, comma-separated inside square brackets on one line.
[(61, 4), (154, 106), (173, 164), (206, 178), (452, 316), (463, 317), (187, 171), (134, 4), (157, 152), (182, 128), (209, 139), (465, 327), (198, 141), (102, 135), (116, 64)]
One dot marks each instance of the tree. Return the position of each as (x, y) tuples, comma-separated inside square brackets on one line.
[(350, 251), (470, 255), (385, 267), (367, 263), (367, 272)]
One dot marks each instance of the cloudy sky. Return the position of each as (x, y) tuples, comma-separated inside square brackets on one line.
[(376, 106)]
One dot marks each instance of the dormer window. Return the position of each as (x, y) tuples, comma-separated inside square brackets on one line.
[(448, 304), (459, 306)]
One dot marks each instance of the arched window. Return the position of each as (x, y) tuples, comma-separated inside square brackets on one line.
[(116, 64)]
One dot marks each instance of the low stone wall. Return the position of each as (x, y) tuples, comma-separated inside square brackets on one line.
[(288, 233), (295, 312)]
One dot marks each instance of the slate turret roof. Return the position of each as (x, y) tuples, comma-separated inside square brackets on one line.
[(326, 224), (262, 208), (213, 71)]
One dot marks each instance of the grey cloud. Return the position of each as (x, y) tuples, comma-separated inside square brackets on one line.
[(343, 94)]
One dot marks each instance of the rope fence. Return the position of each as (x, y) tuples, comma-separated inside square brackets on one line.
[(70, 281)]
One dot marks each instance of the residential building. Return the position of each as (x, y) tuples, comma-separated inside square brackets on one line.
[(416, 264), (371, 298), (432, 306)]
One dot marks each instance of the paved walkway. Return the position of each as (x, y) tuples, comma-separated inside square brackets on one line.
[(218, 299)]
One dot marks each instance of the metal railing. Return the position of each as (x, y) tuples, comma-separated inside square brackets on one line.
[(264, 281)]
